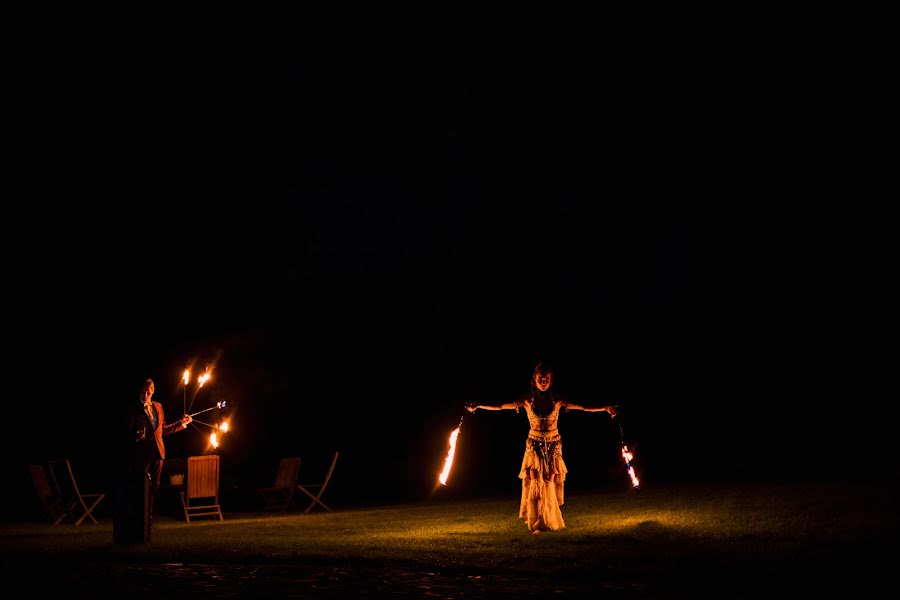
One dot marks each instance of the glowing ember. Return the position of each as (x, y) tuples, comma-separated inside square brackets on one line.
[(448, 462)]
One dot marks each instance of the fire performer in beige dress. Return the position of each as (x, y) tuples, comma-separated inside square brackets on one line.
[(543, 471)]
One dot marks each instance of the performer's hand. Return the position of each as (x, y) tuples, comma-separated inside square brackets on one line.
[(471, 407), (140, 434), (612, 411), (186, 420)]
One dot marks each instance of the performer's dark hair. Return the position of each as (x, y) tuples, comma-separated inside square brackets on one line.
[(541, 368)]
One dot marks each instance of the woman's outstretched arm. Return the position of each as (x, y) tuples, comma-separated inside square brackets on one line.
[(472, 407), (611, 409)]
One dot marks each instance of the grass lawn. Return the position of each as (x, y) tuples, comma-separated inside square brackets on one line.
[(670, 541)]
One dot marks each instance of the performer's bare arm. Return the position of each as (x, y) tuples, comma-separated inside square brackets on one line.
[(610, 409), (507, 406)]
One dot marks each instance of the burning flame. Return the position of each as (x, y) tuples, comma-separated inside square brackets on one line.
[(203, 378), (448, 462), (214, 440), (186, 376), (628, 456), (223, 426)]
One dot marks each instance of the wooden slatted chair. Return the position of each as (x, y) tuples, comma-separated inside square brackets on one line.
[(309, 488), (78, 506), (281, 495), (201, 495), (51, 500)]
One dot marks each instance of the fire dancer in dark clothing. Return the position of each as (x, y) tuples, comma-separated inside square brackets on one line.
[(147, 422)]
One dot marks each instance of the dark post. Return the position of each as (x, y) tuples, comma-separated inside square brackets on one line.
[(131, 524)]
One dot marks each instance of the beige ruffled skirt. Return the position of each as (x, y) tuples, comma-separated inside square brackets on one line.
[(543, 476)]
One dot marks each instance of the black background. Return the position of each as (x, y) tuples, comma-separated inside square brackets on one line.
[(361, 242)]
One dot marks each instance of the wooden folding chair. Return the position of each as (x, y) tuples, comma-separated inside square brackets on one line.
[(51, 501), (202, 484), (77, 505), (281, 495), (308, 488)]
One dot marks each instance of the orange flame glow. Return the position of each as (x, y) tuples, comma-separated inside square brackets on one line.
[(186, 376), (448, 462), (203, 378), (214, 440), (223, 426), (628, 456)]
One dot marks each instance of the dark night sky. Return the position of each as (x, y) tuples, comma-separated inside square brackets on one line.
[(362, 244)]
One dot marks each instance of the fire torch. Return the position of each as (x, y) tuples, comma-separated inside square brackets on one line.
[(628, 456)]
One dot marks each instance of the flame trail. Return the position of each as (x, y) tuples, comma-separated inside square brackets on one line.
[(628, 456), (448, 462)]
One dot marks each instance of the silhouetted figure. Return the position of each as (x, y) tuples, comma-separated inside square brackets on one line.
[(145, 455)]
